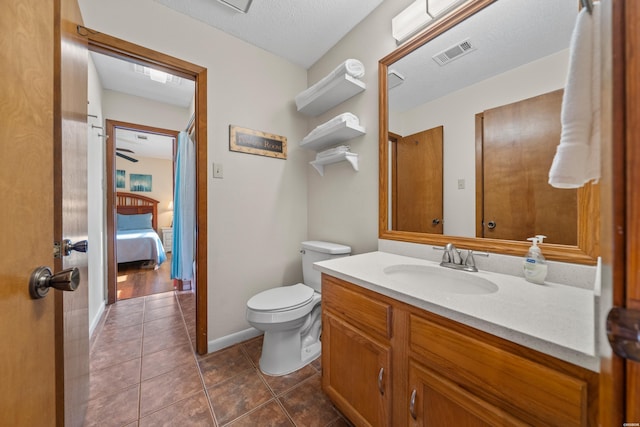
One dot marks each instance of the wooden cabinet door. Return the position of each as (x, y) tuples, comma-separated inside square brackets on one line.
[(435, 401), (356, 373)]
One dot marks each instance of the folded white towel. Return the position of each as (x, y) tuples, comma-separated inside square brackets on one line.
[(344, 117), (333, 151), (577, 159), (352, 67)]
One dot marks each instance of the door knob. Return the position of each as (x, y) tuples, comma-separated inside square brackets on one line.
[(42, 280), (623, 332), (435, 221), (67, 246), (491, 225)]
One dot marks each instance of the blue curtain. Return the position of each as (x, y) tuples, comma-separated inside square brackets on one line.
[(184, 210)]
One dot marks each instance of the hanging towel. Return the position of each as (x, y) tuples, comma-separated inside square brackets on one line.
[(577, 158), (352, 67)]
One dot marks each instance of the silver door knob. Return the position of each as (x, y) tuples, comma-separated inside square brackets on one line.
[(42, 280), (435, 221), (491, 225), (68, 246)]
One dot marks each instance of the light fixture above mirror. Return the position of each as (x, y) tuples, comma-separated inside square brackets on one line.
[(419, 15)]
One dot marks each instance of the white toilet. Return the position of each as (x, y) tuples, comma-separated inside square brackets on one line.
[(290, 315)]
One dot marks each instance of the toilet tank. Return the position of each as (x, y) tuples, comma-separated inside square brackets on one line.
[(314, 251)]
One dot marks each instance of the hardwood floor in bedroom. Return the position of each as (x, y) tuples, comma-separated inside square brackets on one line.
[(135, 280), (144, 372)]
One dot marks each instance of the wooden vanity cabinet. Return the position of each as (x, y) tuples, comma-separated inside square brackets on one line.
[(438, 372), (356, 356)]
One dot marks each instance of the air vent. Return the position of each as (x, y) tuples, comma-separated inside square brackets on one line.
[(454, 52), (145, 137)]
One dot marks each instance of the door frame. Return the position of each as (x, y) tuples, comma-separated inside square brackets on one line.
[(118, 48), (111, 127)]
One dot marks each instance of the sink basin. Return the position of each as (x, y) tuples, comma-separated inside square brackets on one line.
[(440, 279)]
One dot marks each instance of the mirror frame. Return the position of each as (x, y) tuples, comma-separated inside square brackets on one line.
[(587, 249)]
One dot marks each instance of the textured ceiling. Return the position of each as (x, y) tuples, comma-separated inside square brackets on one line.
[(507, 34), (298, 30), (144, 144), (119, 75)]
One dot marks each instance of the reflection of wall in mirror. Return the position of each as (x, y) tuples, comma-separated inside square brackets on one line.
[(457, 111)]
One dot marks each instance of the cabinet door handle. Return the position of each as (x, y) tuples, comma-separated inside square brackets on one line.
[(380, 387), (412, 404)]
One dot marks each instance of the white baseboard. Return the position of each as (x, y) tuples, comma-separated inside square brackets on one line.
[(96, 319), (229, 340)]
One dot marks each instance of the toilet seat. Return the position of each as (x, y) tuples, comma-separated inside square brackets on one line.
[(283, 298)]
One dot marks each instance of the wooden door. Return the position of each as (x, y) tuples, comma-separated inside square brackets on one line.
[(620, 378), (356, 373), (632, 246), (70, 215), (519, 141), (35, 125), (417, 194), (436, 401)]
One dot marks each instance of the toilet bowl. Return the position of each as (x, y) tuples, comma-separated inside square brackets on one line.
[(290, 316)]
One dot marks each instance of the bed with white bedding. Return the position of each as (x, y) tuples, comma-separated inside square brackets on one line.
[(136, 225)]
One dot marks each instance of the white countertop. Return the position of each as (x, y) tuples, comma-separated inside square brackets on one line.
[(552, 318)]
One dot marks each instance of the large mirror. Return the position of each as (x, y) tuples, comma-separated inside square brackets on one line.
[(469, 122)]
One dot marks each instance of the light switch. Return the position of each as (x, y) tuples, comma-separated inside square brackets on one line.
[(461, 184), (217, 170)]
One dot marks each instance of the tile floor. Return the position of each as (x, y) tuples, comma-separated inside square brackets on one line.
[(144, 372)]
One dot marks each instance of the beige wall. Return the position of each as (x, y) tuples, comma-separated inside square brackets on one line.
[(257, 214), (161, 172), (134, 109), (343, 205)]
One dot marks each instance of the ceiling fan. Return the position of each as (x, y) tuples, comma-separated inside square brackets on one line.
[(124, 156)]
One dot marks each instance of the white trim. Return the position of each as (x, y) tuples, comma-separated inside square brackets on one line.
[(96, 319), (229, 340)]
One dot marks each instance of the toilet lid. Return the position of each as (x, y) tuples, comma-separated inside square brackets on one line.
[(281, 298)]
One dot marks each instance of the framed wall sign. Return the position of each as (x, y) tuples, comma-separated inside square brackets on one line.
[(255, 142)]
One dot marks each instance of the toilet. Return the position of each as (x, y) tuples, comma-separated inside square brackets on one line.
[(290, 316)]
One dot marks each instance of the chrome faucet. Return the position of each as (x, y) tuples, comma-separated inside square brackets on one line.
[(452, 258)]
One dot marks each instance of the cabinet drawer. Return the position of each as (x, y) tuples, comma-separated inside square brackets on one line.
[(370, 314), (535, 393)]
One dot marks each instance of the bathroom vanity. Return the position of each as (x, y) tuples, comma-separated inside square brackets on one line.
[(400, 352)]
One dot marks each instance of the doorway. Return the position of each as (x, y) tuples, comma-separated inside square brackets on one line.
[(130, 52), (143, 261)]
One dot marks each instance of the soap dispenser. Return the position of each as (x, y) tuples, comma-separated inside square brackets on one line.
[(534, 265)]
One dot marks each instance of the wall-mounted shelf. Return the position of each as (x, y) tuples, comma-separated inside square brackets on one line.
[(334, 135), (319, 164), (335, 92)]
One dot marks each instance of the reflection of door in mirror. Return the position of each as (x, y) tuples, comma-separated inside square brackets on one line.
[(519, 141), (416, 175)]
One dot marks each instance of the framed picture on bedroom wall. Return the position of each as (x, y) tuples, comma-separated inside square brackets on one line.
[(120, 178), (139, 182), (255, 142)]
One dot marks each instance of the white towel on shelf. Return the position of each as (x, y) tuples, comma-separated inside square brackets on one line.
[(352, 67), (577, 158), (344, 117), (333, 151)]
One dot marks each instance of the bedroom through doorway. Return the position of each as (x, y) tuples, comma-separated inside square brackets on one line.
[(144, 179)]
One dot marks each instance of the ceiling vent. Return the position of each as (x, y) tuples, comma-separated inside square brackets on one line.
[(454, 52)]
